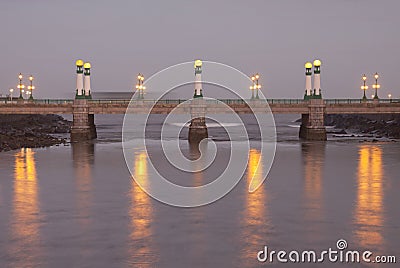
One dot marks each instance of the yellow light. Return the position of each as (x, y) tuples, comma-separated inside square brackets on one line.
[(308, 65), (79, 63), (31, 78), (198, 63), (376, 75), (317, 63), (389, 95), (257, 76), (20, 76), (251, 87), (144, 87), (142, 78), (364, 77), (253, 78), (87, 65), (137, 86)]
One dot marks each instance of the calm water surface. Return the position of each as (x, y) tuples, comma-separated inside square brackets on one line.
[(77, 206)]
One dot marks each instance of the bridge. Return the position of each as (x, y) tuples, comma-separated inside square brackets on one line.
[(312, 107), (90, 107)]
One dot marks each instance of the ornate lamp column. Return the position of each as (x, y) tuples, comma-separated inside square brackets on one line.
[(87, 67), (31, 87), (317, 79), (198, 91), (364, 87), (256, 86), (308, 94), (20, 87), (139, 86), (79, 80), (252, 87), (376, 86)]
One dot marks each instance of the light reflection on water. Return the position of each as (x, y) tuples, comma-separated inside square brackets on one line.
[(83, 160), (313, 155), (142, 250), (25, 216), (255, 215), (368, 212)]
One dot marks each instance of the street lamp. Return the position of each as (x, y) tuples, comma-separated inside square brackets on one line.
[(364, 87), (11, 93), (376, 86), (20, 86), (390, 97), (256, 86), (139, 86), (31, 87)]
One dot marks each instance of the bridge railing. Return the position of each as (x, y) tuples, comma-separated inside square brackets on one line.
[(38, 101), (358, 101), (178, 101)]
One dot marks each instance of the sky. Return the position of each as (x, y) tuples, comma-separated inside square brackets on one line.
[(273, 37)]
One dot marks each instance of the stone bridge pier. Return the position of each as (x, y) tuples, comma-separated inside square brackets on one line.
[(83, 127), (312, 124)]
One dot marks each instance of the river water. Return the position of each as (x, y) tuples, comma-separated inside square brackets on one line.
[(77, 206)]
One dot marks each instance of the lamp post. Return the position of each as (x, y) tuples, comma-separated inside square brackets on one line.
[(139, 86), (20, 86), (256, 86), (11, 93), (31, 87), (376, 86), (364, 87), (390, 97)]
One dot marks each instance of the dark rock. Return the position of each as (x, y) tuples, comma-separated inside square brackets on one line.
[(18, 131)]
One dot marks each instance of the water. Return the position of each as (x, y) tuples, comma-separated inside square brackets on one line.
[(76, 206)]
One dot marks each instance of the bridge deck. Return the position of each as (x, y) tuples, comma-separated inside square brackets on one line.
[(279, 106)]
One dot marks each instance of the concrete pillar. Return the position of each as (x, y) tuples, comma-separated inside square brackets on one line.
[(83, 127), (79, 79), (312, 126), (197, 129), (87, 67), (198, 91), (317, 79), (308, 92)]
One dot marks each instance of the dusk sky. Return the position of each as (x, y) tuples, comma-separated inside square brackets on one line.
[(275, 38)]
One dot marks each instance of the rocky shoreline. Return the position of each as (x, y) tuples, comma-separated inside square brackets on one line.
[(383, 125), (33, 131)]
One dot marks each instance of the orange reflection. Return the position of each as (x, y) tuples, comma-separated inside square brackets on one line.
[(369, 208), (255, 218), (25, 220), (141, 216), (313, 155), (82, 154)]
